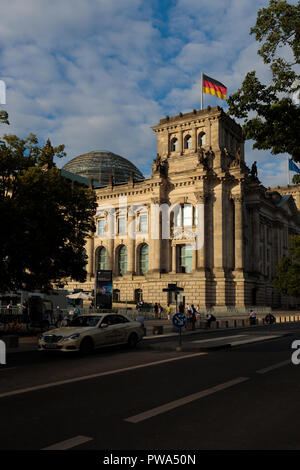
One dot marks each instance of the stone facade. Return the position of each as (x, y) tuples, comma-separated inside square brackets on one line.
[(226, 231)]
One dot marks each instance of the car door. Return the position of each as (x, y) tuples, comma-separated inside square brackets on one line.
[(122, 326), (107, 334)]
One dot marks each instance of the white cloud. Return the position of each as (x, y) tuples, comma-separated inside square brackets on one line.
[(98, 74)]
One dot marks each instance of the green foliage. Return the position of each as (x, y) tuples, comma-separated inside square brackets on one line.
[(45, 217), (287, 280), (296, 179), (271, 120), (4, 117)]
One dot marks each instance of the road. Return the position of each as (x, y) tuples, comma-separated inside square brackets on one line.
[(243, 398)]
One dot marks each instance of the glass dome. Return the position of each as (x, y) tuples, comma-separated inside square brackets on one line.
[(100, 165)]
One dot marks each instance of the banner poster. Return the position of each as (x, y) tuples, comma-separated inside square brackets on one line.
[(103, 289)]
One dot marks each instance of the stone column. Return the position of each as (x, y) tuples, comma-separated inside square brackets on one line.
[(155, 238), (195, 139), (218, 221), (200, 231), (180, 143), (90, 254), (174, 258), (111, 239), (131, 244), (194, 259), (256, 238), (238, 213)]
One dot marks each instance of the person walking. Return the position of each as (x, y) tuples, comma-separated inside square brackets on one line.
[(156, 310), (160, 311), (252, 317), (168, 311), (193, 317)]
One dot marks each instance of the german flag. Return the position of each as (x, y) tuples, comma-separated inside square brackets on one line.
[(213, 87)]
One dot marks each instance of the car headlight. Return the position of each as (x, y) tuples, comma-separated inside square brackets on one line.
[(74, 336)]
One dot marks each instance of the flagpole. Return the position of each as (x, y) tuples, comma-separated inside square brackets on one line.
[(201, 91)]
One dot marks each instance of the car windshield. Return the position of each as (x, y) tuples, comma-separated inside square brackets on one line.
[(85, 320)]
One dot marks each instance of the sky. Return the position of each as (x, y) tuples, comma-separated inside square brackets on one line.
[(97, 74)]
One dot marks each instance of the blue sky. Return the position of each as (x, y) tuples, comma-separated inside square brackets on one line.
[(97, 74)]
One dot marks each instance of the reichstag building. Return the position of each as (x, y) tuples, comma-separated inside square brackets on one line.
[(203, 220)]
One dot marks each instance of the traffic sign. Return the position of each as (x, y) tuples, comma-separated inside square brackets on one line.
[(179, 320)]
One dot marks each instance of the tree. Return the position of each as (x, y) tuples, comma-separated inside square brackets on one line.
[(4, 117), (287, 279), (45, 217), (271, 119)]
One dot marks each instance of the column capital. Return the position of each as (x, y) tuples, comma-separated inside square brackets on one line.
[(237, 198)]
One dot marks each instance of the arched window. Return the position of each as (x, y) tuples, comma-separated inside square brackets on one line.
[(122, 261), (174, 145), (102, 259), (201, 139), (143, 259), (188, 142)]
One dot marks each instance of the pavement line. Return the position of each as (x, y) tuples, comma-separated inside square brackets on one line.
[(94, 376), (217, 338), (183, 401), (69, 443), (254, 340), (275, 366)]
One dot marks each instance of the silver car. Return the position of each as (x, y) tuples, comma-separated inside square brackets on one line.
[(88, 332)]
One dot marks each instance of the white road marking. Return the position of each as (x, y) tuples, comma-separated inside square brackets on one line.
[(255, 339), (217, 339), (69, 443), (246, 340), (183, 401), (274, 366), (94, 376)]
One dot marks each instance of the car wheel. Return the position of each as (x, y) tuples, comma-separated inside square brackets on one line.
[(133, 340), (86, 346)]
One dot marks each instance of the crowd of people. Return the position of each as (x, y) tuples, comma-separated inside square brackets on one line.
[(191, 312)]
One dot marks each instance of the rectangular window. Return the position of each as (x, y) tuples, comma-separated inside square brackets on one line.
[(121, 225), (187, 215), (101, 227), (143, 223), (186, 258)]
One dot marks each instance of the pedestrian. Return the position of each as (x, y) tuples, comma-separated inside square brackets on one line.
[(210, 317), (269, 319), (76, 311), (156, 310), (10, 307), (193, 317), (25, 315), (92, 306), (168, 311), (198, 314), (252, 317), (181, 308), (160, 311)]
